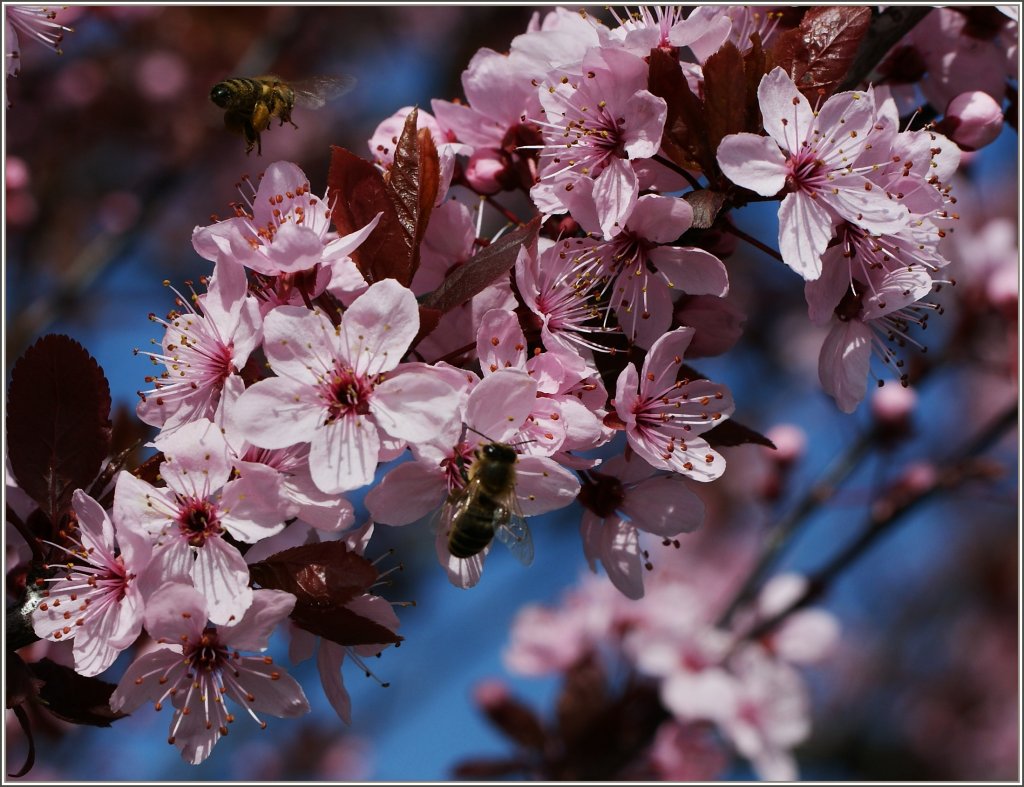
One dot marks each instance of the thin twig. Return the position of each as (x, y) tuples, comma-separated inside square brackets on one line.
[(732, 228), (679, 170)]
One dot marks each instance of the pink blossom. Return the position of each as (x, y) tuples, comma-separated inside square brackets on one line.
[(687, 752), (597, 119), (811, 155), (97, 602), (187, 519), (204, 349), (666, 27), (545, 640), (343, 390), (639, 267), (973, 119), (285, 230), (663, 415), (623, 498), (769, 713), (198, 667)]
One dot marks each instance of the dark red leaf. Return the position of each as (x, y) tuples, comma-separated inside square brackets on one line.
[(340, 624), (483, 269), (730, 433), (324, 577), (685, 137), (17, 681), (412, 184), (516, 720), (725, 94), (429, 318), (73, 697), (58, 422), (819, 53), (322, 573), (356, 193), (755, 66)]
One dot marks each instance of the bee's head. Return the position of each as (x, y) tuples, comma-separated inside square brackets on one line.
[(498, 452), (221, 94)]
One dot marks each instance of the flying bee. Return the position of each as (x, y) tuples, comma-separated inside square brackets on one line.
[(250, 102), (486, 508)]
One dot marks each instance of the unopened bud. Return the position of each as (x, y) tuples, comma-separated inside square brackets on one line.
[(790, 443), (973, 119), (485, 170), (892, 405)]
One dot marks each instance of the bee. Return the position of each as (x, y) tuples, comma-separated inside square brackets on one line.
[(250, 102), (486, 508)]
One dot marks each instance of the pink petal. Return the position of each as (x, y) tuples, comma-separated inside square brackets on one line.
[(378, 327), (897, 289), (174, 612), (805, 228), (694, 271), (626, 394), (462, 572), (195, 458), (274, 690), (299, 344), (253, 506), (500, 342), (615, 192), (329, 659), (866, 204), (753, 162), (788, 118), (221, 575), (279, 412), (664, 506), (252, 632), (645, 115), (500, 403), (660, 219), (824, 293), (415, 403), (141, 682), (543, 485), (342, 247), (294, 248), (621, 558), (844, 363), (662, 363), (343, 454), (406, 494)]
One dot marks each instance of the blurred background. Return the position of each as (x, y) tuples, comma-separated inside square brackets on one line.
[(114, 153)]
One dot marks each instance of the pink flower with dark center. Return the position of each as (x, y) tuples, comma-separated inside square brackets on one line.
[(639, 267), (621, 499), (344, 390), (663, 414), (186, 520), (596, 121), (203, 349), (811, 155), (97, 602), (198, 667), (284, 229), (735, 23)]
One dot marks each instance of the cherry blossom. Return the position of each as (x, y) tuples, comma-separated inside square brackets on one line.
[(343, 390), (98, 601), (598, 120), (35, 22), (204, 349), (621, 499), (810, 153), (284, 229), (664, 415), (197, 667), (186, 520)]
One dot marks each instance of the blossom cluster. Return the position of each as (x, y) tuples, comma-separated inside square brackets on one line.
[(311, 366)]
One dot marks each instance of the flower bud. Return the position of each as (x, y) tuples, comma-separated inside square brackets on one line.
[(973, 119), (485, 171)]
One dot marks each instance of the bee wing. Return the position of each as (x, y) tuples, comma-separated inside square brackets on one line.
[(314, 92), (510, 529)]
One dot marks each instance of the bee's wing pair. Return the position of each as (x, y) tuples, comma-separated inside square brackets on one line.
[(314, 92)]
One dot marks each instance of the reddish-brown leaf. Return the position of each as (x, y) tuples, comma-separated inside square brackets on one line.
[(356, 194), (725, 89), (73, 697), (685, 137), (411, 185), (818, 54), (58, 422), (483, 269), (324, 577)]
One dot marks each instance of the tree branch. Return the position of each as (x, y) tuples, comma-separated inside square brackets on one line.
[(886, 29)]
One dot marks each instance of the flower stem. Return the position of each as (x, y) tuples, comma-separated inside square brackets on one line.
[(679, 170)]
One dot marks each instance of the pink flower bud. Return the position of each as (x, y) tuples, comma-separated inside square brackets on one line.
[(892, 405), (973, 119), (485, 171), (790, 443)]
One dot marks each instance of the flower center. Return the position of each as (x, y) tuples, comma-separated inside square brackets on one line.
[(348, 393), (198, 521), (602, 494)]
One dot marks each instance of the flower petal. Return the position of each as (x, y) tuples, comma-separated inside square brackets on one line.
[(753, 162)]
